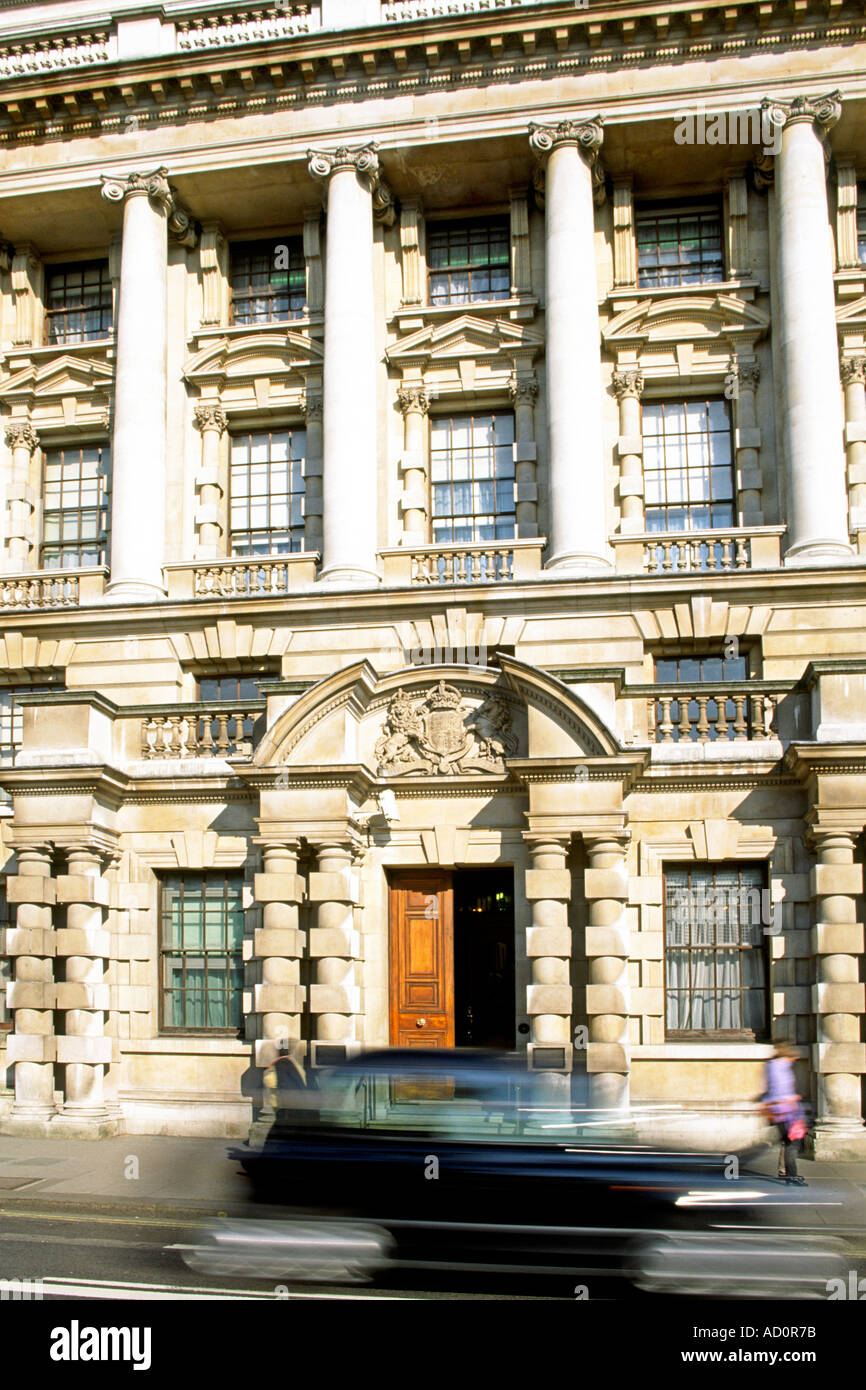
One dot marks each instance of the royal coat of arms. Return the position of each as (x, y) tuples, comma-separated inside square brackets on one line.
[(440, 733)]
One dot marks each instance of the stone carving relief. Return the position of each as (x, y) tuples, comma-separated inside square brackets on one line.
[(441, 733)]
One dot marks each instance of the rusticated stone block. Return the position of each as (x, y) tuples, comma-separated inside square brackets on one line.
[(92, 1050), (30, 941), (335, 999), (838, 938), (841, 1057), (278, 941), (606, 1057), (827, 880), (82, 888), (644, 999), (607, 941), (20, 888), (548, 941), (76, 995), (548, 883), (30, 994), (839, 999), (31, 1047), (278, 999), (336, 887), (606, 883), (548, 999), (83, 943), (606, 999), (335, 941), (278, 888)]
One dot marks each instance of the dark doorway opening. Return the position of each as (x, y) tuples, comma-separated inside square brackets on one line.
[(484, 958)]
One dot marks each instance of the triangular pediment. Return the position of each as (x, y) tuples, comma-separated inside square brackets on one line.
[(253, 355), (687, 318), (855, 312), (466, 336), (61, 376)]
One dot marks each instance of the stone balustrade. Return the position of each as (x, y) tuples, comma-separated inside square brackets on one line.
[(705, 715), (251, 577), (52, 588), (495, 563), (202, 731), (707, 552)]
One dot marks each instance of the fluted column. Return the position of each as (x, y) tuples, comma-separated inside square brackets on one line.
[(32, 1047), (817, 513), (335, 944), (138, 453), (578, 523), (350, 489), (839, 997), (313, 501), (83, 994), (628, 385), (211, 420), (523, 391), (854, 382), (549, 947), (607, 951), (22, 439), (278, 945), (414, 403)]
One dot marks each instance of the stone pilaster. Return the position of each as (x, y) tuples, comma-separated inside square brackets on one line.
[(412, 251), (523, 391), (739, 251), (211, 420), (816, 508), (84, 947), (214, 256), (577, 521), (521, 258), (854, 382), (26, 282), (278, 946), (628, 386), (313, 464), (32, 1046), (549, 949), (355, 192), (624, 243), (607, 951), (414, 404), (747, 441), (335, 945), (22, 439), (839, 997), (138, 453)]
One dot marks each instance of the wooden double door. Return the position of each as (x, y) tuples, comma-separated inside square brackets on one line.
[(452, 958)]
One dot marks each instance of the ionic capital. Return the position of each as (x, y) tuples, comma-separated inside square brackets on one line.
[(157, 189), (523, 390), (210, 417), (585, 135), (20, 434), (364, 159), (413, 399), (821, 111), (628, 382), (853, 371)]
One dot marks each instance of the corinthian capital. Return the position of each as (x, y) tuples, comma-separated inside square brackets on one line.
[(586, 135), (627, 383), (853, 371), (210, 416), (822, 111), (413, 398), (364, 159), (156, 187), (20, 434), (523, 390)]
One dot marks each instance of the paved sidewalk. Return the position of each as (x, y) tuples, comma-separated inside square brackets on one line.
[(155, 1171)]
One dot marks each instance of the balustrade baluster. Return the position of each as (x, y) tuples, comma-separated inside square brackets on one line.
[(205, 744), (743, 559), (740, 727), (722, 717), (703, 725), (666, 725), (222, 741), (685, 722)]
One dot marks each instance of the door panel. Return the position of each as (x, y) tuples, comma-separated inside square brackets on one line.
[(422, 960)]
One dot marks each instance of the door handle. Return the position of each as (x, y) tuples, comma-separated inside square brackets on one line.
[(420, 1023)]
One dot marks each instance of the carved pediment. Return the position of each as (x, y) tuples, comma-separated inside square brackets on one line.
[(272, 354), (438, 732), (65, 375), (852, 315), (466, 336), (690, 318)]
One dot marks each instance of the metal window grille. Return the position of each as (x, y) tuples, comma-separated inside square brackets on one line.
[(716, 977), (268, 281), (266, 493), (201, 943), (472, 478), (688, 465), (679, 246), (469, 261), (78, 302), (75, 507)]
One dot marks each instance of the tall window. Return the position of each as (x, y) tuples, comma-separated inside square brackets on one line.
[(268, 281), (202, 929), (715, 951), (472, 477), (266, 492), (679, 245), (75, 510), (469, 261), (77, 302), (7, 921), (688, 465)]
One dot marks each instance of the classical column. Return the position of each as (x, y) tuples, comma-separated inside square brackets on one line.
[(138, 451), (628, 385), (578, 524), (854, 382), (350, 457), (607, 951), (817, 512), (211, 420), (278, 945), (548, 947), (414, 403), (523, 391), (335, 944), (22, 439), (839, 997), (313, 500), (85, 943), (747, 440), (32, 1046)]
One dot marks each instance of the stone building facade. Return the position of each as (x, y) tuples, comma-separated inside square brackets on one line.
[(433, 550)]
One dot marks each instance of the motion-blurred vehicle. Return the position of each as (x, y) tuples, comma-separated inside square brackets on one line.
[(460, 1160)]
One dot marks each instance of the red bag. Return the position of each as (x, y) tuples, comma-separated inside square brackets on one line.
[(797, 1130)]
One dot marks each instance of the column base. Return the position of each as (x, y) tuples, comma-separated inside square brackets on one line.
[(843, 1141), (578, 562), (348, 577), (101, 1125), (134, 591), (24, 1124), (821, 552)]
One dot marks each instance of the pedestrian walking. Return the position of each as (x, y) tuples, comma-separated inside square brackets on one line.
[(783, 1108)]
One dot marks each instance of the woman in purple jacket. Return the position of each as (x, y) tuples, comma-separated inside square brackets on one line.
[(783, 1108)]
